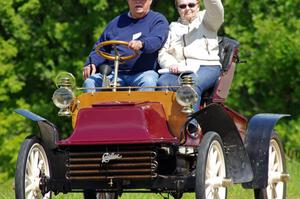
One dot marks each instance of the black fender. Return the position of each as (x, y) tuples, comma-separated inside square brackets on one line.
[(48, 134), (215, 118), (257, 142)]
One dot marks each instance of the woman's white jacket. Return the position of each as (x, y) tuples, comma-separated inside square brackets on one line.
[(191, 44)]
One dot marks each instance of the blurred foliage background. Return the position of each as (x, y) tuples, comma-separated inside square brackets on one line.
[(39, 38)]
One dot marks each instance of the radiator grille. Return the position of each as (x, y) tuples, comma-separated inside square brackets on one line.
[(111, 162)]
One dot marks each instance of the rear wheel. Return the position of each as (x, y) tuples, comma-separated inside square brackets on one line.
[(277, 177), (211, 179), (276, 185), (91, 194), (32, 164), (107, 195)]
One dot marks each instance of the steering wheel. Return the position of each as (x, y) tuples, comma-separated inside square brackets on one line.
[(116, 56)]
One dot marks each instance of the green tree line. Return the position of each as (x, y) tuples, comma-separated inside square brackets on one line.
[(40, 38)]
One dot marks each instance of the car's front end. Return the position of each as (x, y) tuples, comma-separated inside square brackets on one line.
[(123, 141)]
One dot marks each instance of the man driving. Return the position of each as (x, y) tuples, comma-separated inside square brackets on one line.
[(145, 31)]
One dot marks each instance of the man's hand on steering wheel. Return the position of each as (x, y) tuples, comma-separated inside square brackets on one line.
[(88, 70), (135, 45)]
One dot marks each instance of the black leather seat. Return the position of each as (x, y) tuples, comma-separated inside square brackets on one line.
[(228, 52)]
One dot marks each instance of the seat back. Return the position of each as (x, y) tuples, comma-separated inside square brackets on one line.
[(228, 53)]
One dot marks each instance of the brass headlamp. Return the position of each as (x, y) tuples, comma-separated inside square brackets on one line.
[(63, 96), (186, 95)]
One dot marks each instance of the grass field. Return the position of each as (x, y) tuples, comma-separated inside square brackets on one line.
[(235, 192)]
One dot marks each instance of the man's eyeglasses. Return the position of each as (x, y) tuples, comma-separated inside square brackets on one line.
[(190, 5)]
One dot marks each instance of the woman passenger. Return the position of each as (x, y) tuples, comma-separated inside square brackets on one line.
[(192, 45)]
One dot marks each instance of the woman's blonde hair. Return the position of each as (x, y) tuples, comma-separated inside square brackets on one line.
[(176, 4)]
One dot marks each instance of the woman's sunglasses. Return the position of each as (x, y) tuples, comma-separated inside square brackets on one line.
[(190, 5)]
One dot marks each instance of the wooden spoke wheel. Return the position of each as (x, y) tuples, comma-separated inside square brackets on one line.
[(32, 163)]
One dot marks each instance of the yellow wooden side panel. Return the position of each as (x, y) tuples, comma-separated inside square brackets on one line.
[(172, 109)]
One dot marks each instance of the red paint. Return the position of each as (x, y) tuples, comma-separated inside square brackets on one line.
[(120, 123)]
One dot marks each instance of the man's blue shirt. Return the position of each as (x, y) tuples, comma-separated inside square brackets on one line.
[(152, 30)]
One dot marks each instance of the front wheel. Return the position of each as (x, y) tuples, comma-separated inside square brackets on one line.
[(32, 164), (211, 179)]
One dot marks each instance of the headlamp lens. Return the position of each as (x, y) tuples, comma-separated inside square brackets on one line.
[(186, 95), (62, 97)]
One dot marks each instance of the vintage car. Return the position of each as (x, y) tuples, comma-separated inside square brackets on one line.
[(125, 140)]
